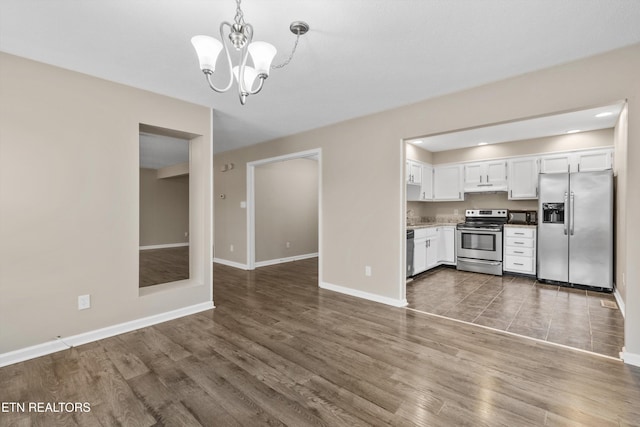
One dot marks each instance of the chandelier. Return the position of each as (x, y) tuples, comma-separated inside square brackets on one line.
[(240, 35)]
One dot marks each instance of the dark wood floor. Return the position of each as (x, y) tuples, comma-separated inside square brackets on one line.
[(277, 350), (163, 265)]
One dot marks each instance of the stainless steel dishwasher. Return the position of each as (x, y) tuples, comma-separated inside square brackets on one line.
[(410, 253)]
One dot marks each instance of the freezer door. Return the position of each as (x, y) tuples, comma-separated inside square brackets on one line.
[(553, 239), (591, 229)]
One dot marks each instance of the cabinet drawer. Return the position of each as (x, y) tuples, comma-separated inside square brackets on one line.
[(519, 264), (423, 233), (519, 232), (519, 242), (523, 252)]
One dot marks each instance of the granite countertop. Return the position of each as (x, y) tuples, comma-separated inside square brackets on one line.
[(521, 226), (430, 225)]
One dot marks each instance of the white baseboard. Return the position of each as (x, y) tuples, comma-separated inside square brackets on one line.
[(619, 300), (230, 263), (630, 358), (283, 260), (168, 245), (365, 295), (98, 334)]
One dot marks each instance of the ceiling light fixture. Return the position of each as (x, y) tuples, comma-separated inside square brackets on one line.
[(240, 34), (605, 114), (574, 131), (483, 143)]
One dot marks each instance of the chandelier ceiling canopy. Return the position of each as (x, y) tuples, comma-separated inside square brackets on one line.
[(249, 79)]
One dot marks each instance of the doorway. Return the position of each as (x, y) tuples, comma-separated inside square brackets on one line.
[(276, 235)]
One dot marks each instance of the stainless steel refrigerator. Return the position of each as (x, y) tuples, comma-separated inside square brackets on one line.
[(575, 228)]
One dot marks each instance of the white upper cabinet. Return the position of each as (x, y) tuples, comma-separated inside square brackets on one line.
[(447, 183), (523, 178), (596, 160), (582, 161), (485, 176), (414, 172), (557, 163), (426, 188)]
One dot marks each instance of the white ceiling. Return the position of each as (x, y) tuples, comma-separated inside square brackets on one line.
[(604, 117), (360, 57)]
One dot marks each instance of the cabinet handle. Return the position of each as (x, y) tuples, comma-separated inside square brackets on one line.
[(518, 252), (480, 179), (517, 263), (459, 195), (487, 178), (519, 234), (519, 243), (510, 194)]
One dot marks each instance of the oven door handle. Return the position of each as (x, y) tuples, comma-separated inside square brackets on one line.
[(478, 229)]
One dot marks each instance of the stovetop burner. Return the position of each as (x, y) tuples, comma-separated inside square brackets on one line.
[(484, 218)]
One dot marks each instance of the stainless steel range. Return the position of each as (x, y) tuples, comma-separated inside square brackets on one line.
[(479, 241)]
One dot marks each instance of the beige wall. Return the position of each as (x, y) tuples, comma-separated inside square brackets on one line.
[(363, 183), (551, 144), (164, 208), (286, 209), (417, 153), (69, 214)]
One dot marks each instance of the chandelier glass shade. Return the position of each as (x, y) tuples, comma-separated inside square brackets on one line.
[(239, 35)]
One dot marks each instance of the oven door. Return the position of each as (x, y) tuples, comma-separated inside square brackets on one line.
[(477, 243)]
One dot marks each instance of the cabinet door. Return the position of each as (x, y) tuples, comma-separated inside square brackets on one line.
[(432, 252), (473, 175), (523, 178), (447, 183), (496, 174), (420, 255), (593, 161), (416, 172), (426, 190), (446, 245), (560, 163)]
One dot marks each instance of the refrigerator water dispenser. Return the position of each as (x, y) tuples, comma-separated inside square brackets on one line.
[(553, 213)]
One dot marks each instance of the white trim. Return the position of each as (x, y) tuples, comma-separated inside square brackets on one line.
[(402, 280), (169, 245), (619, 300), (364, 295), (283, 260), (630, 358), (98, 334), (231, 263)]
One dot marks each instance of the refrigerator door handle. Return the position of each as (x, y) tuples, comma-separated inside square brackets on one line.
[(572, 213), (566, 216)]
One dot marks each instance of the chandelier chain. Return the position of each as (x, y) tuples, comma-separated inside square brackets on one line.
[(286, 62), (239, 19)]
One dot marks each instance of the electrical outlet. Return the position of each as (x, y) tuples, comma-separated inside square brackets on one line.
[(186, 234), (84, 302), (455, 211), (230, 248), (288, 245), (243, 205), (367, 270)]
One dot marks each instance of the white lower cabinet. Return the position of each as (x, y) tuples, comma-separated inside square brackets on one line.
[(520, 250), (447, 245), (433, 246)]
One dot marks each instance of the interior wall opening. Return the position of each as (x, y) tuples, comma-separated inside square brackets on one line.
[(284, 210)]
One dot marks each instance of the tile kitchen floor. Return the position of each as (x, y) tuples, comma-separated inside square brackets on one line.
[(572, 317)]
